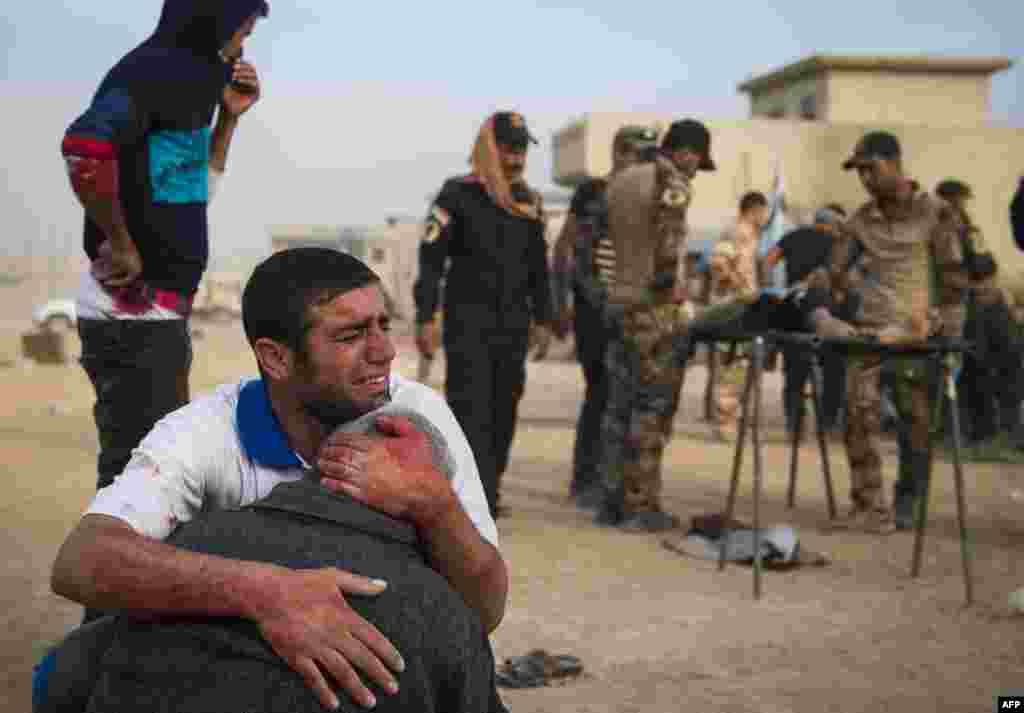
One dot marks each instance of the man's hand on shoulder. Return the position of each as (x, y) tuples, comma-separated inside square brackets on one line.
[(308, 623), (393, 472)]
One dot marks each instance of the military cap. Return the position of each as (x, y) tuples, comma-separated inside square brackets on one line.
[(510, 130), (873, 146), (636, 137), (952, 188), (690, 134)]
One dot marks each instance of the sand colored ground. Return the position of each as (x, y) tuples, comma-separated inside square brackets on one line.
[(656, 631)]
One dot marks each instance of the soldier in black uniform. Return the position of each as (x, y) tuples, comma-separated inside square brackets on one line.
[(484, 237), (584, 263)]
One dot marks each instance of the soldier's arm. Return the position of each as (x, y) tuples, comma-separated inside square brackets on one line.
[(947, 247), (562, 264), (589, 283), (540, 278), (91, 149), (433, 253)]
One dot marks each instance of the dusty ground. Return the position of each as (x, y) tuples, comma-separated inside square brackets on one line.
[(656, 631)]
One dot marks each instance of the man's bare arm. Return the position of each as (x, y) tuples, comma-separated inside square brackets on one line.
[(233, 104), (105, 564)]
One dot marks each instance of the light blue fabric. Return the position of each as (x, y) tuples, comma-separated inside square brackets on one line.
[(777, 227), (178, 166), (777, 543)]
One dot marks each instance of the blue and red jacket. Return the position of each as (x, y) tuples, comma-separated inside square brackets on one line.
[(151, 117)]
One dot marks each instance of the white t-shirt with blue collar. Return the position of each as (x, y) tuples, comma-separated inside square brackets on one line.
[(225, 450)]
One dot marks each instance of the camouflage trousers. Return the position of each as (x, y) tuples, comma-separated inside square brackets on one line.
[(728, 390), (914, 388), (644, 382)]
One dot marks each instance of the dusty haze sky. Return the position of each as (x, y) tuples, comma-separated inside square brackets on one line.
[(369, 106)]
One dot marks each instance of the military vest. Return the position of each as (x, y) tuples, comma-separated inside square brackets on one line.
[(647, 206)]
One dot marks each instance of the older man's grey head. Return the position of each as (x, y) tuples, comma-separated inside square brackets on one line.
[(442, 455)]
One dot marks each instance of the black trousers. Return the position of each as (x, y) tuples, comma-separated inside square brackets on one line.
[(797, 372), (591, 347), (484, 381), (991, 382), (139, 370)]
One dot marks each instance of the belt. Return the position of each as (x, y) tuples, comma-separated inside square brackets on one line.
[(137, 298)]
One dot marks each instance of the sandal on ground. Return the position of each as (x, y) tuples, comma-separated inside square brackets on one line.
[(536, 669)]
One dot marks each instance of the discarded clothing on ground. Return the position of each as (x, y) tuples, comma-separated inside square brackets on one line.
[(780, 546)]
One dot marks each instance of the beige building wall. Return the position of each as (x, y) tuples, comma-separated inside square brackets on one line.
[(907, 98), (791, 100), (811, 154)]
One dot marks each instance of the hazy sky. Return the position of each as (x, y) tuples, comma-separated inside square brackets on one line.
[(368, 106)]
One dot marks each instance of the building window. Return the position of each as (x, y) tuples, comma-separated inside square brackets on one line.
[(809, 107)]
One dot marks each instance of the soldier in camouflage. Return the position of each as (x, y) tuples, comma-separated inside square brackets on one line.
[(584, 264), (734, 280), (900, 254), (991, 378), (647, 206)]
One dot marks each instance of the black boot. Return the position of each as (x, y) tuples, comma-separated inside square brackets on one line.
[(612, 510), (589, 497)]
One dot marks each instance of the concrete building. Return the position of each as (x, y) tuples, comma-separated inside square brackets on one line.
[(806, 118), (389, 249)]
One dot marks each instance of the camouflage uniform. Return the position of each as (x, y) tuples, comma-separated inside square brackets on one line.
[(647, 207), (901, 266), (733, 280)]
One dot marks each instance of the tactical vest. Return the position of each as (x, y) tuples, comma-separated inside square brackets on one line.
[(647, 206)]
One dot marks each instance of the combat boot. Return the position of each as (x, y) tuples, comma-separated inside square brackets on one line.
[(611, 512), (589, 497)]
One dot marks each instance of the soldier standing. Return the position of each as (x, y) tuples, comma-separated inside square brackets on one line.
[(647, 207), (585, 263), (734, 279), (991, 373), (899, 251), (489, 226)]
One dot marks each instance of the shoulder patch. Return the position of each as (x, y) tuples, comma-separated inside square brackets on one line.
[(436, 222), (675, 197), (440, 215)]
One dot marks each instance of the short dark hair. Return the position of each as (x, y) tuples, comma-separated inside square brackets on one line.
[(836, 208), (952, 188), (751, 200), (277, 298)]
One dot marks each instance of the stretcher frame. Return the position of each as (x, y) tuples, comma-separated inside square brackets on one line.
[(938, 349)]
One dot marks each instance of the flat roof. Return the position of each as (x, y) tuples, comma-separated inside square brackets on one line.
[(927, 64)]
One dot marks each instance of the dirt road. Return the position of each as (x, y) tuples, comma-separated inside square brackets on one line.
[(656, 631)]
